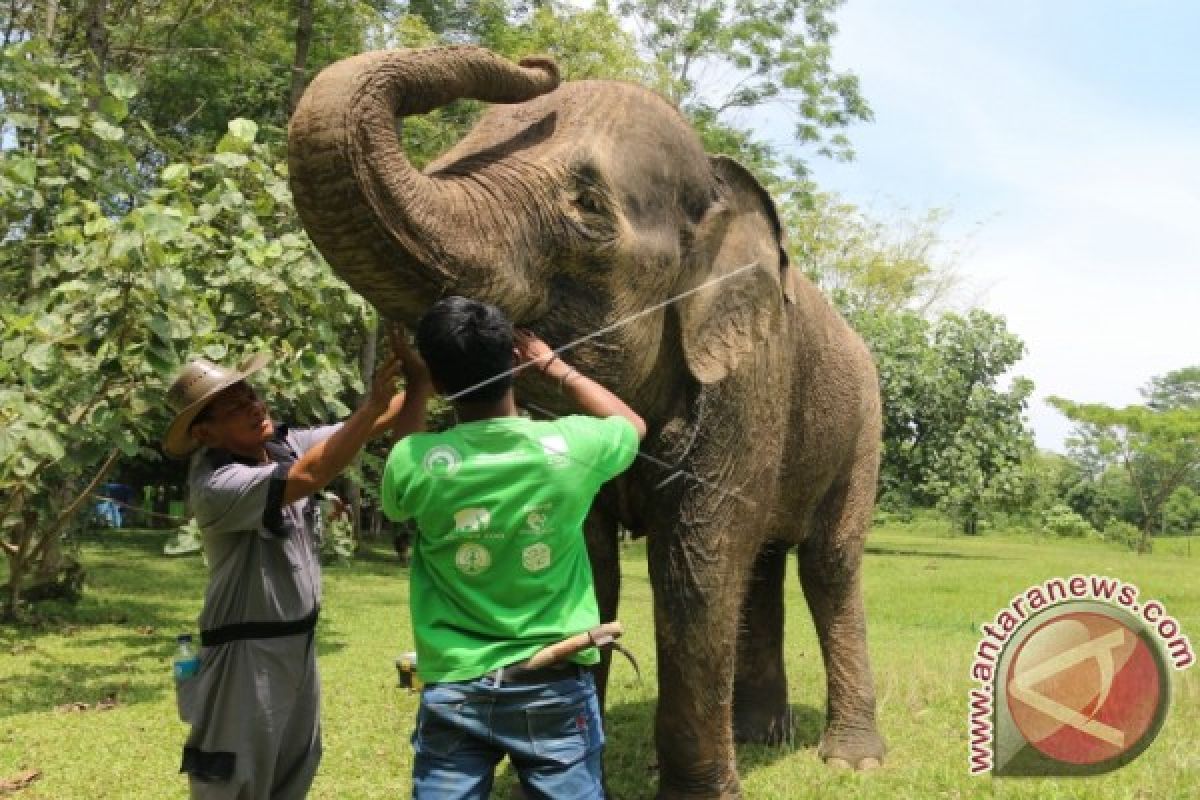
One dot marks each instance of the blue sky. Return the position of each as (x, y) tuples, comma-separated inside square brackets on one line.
[(1064, 137)]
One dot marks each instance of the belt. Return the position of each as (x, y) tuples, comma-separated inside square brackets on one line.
[(258, 630), (521, 675)]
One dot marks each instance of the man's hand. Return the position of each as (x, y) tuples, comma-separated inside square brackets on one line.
[(412, 366), (383, 387), (529, 349), (589, 397)]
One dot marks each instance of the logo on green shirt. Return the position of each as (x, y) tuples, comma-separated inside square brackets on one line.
[(442, 461), (536, 518), (472, 520), (536, 557), (472, 558), (555, 448)]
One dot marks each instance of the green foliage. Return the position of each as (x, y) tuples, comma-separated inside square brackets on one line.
[(1102, 498), (114, 271), (1177, 389), (337, 540), (1123, 533), (1061, 520), (867, 266), (723, 138), (779, 52), (586, 44), (1158, 449), (201, 65), (1181, 512), (952, 436), (1044, 478), (186, 541)]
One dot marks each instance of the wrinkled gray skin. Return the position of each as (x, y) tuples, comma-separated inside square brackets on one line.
[(572, 206)]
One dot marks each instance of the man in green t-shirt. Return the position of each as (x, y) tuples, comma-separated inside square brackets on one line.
[(499, 567)]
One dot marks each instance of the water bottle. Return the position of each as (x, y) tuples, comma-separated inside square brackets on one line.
[(185, 667), (187, 661)]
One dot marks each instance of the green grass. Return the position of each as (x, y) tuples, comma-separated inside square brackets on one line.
[(927, 594)]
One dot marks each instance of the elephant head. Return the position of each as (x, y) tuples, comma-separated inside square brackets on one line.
[(571, 206)]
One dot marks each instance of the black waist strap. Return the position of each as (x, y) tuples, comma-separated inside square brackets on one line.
[(518, 673), (258, 630)]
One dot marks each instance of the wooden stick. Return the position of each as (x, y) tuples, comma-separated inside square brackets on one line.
[(561, 651)]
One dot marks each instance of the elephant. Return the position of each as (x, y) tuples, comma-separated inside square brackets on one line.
[(587, 206)]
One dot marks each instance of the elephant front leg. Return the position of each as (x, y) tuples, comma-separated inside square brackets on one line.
[(760, 703), (696, 603), (851, 738)]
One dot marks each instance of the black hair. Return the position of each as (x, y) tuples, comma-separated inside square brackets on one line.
[(465, 342)]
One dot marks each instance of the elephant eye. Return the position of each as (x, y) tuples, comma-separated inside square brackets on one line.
[(592, 212), (592, 218), (587, 202), (588, 188)]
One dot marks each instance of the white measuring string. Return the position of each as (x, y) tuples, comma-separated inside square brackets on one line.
[(606, 329)]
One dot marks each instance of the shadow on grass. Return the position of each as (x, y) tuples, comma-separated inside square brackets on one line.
[(51, 684), (329, 639), (875, 550), (118, 640), (375, 558), (631, 761)]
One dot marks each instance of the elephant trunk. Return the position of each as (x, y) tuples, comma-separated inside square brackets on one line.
[(397, 236)]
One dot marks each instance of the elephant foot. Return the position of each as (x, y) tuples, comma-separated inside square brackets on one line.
[(860, 750), (762, 725)]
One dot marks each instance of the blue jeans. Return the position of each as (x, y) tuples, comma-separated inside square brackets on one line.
[(551, 733)]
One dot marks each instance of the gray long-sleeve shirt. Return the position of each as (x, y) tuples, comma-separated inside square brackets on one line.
[(261, 553)]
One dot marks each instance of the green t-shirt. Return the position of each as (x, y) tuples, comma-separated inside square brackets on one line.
[(500, 567)]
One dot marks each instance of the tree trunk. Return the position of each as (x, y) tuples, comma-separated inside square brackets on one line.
[(51, 19), (37, 224), (17, 551), (304, 29), (367, 371), (42, 554), (97, 36), (1144, 544)]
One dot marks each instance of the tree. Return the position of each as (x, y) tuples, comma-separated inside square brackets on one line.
[(1181, 512), (1177, 389), (867, 266), (135, 269), (202, 64), (587, 44), (304, 32), (720, 56), (952, 437), (1158, 449)]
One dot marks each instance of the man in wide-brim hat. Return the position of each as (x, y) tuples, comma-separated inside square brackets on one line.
[(254, 705)]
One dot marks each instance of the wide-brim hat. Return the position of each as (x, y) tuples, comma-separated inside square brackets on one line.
[(194, 388)]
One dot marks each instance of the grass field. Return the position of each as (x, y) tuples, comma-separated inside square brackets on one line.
[(927, 594)]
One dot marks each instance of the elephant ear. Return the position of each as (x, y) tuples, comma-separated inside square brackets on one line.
[(739, 233)]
